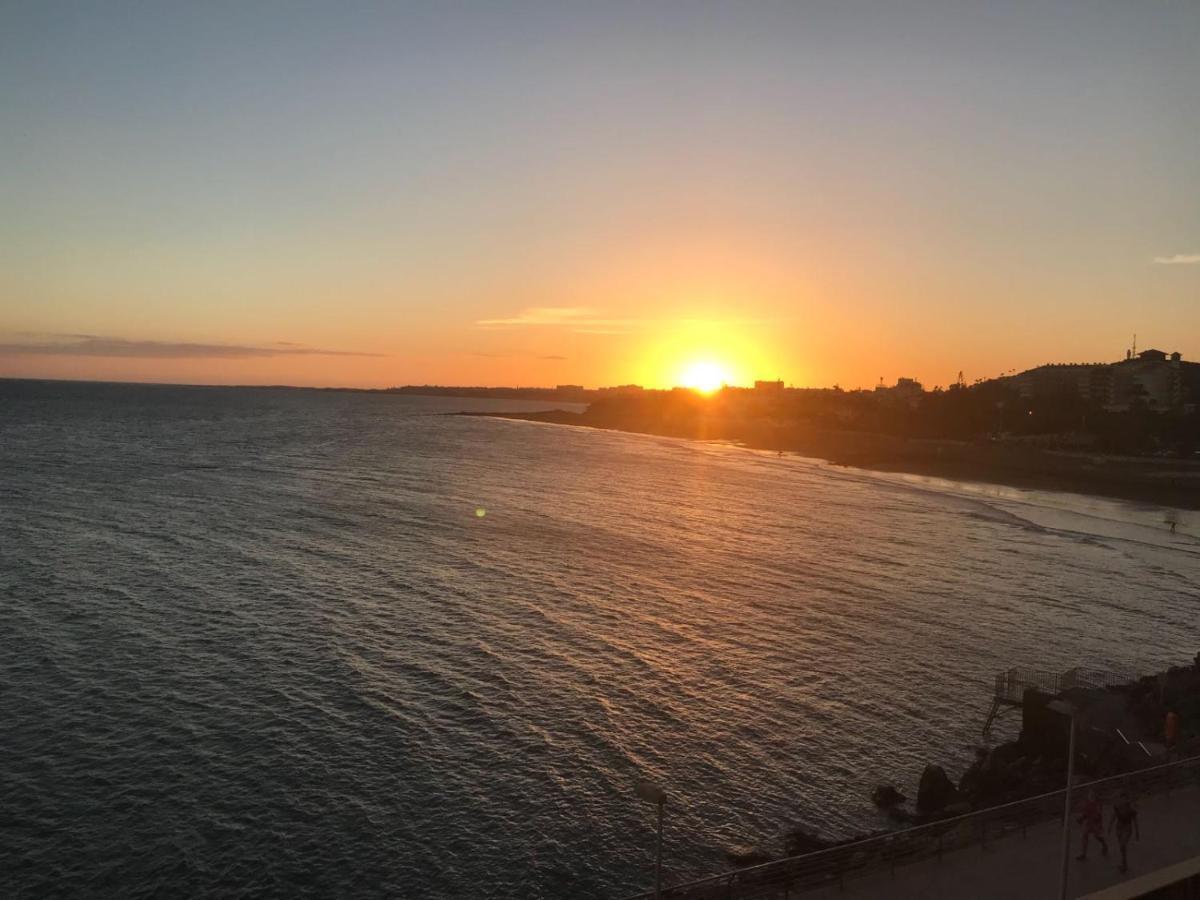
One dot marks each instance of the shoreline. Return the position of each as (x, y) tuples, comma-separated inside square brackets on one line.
[(1168, 483)]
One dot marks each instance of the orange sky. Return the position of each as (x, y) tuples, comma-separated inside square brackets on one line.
[(595, 196)]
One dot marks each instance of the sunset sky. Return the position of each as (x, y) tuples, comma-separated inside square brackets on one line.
[(492, 193)]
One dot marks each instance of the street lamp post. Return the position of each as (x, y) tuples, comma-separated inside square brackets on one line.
[(652, 793), (1066, 709)]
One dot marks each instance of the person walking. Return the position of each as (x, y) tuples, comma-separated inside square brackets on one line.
[(1125, 821), (1091, 817)]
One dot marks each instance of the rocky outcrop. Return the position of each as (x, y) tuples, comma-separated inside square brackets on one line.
[(885, 796), (936, 790), (798, 841)]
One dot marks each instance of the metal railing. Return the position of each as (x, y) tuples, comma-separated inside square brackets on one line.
[(1011, 684), (787, 878)]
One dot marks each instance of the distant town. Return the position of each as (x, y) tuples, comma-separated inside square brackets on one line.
[(1145, 403), (1128, 429)]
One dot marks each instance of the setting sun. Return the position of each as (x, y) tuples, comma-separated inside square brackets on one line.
[(705, 376)]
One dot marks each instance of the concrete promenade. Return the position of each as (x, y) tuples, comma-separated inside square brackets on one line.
[(1028, 867)]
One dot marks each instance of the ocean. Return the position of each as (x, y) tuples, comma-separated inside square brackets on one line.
[(261, 642)]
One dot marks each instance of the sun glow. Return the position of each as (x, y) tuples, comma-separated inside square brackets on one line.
[(705, 376), (704, 354)]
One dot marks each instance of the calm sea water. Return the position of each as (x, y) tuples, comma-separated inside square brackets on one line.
[(260, 642)]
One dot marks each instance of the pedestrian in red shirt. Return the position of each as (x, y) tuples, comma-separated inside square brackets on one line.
[(1091, 817)]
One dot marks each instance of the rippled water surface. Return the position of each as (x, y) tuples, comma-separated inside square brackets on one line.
[(259, 642)]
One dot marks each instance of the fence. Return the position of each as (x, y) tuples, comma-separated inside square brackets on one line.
[(1011, 685), (792, 877)]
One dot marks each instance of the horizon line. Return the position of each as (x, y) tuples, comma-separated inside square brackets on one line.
[(402, 387)]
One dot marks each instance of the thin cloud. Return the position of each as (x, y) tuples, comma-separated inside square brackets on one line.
[(578, 319), (585, 320), (1179, 259), (543, 315), (95, 345), (512, 355)]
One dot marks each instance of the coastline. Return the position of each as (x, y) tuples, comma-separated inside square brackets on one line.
[(1171, 483)]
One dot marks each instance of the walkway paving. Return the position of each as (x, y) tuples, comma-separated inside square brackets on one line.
[(1016, 867)]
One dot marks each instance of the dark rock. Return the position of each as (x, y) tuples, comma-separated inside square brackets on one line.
[(885, 796), (996, 776), (900, 814), (1005, 754), (1043, 731), (935, 791), (798, 842)]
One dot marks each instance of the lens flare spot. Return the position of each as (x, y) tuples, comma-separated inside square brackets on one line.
[(480, 512)]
